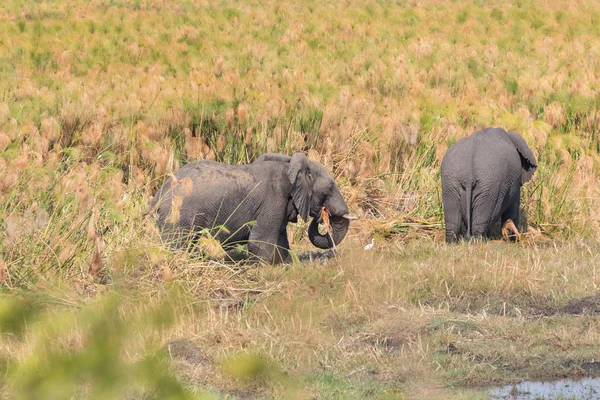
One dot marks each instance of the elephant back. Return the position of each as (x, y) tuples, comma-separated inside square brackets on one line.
[(527, 160)]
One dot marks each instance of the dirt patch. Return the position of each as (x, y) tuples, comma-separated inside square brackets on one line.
[(316, 256), (586, 305), (185, 350), (590, 367), (391, 336), (581, 306), (240, 394), (344, 323), (450, 349), (393, 342)]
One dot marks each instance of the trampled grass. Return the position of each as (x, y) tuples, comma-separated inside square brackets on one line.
[(100, 100)]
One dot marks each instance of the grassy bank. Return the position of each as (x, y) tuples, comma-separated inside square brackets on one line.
[(100, 100), (422, 320)]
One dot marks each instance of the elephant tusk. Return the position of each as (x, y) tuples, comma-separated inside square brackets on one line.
[(350, 216)]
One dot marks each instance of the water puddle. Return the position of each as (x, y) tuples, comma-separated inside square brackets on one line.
[(582, 389)]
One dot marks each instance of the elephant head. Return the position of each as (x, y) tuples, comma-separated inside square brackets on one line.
[(312, 188)]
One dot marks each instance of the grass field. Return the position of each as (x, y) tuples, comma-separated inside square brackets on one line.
[(100, 100)]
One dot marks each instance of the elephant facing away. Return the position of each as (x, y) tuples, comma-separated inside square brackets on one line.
[(250, 204), (482, 177)]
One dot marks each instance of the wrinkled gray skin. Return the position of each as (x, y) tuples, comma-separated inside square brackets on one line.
[(482, 177), (271, 191)]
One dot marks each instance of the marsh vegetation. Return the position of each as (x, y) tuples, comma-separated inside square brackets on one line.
[(101, 100)]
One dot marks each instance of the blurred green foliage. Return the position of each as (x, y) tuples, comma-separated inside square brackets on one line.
[(94, 362)]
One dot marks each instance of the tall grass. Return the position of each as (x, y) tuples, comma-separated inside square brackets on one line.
[(101, 100)]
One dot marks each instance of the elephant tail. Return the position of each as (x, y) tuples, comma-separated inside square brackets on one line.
[(469, 203)]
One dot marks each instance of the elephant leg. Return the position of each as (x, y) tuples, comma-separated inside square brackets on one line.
[(481, 229), (453, 228), (270, 247), (267, 252), (481, 217), (452, 219), (283, 246), (513, 211), (177, 237)]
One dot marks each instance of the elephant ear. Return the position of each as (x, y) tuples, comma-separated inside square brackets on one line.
[(301, 180), (528, 162)]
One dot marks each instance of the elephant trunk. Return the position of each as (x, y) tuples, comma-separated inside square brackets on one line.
[(340, 222), (339, 226)]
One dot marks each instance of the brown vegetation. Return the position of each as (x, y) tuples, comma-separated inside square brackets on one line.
[(101, 100)]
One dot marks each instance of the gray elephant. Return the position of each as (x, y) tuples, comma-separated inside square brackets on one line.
[(482, 177), (251, 204)]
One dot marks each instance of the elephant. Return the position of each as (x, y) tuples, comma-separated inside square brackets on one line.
[(251, 204), (482, 177)]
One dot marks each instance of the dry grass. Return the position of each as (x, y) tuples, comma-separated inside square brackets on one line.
[(101, 100), (371, 323)]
